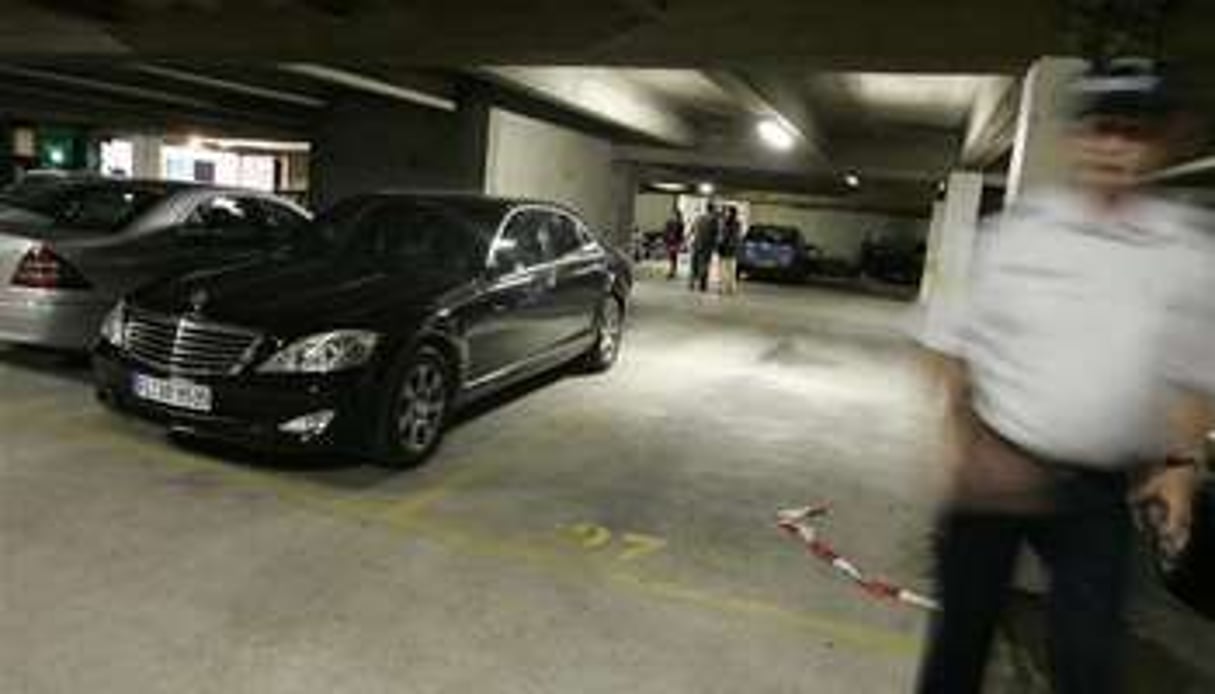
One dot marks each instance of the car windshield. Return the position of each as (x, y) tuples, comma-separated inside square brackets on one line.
[(767, 234), (101, 208), (401, 231)]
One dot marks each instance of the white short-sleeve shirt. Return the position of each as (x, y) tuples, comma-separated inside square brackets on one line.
[(1079, 325)]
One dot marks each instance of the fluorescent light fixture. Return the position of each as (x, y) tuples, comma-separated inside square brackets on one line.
[(774, 134), (852, 180), (706, 188), (669, 186), (260, 145)]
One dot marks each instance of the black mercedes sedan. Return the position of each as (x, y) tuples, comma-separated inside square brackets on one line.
[(379, 320)]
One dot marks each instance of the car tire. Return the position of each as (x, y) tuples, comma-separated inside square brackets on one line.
[(414, 408), (609, 333)]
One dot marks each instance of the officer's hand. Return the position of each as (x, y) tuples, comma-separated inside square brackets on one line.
[(1168, 494)]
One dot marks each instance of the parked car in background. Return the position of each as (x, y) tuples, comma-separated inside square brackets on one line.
[(391, 311), (775, 252), (897, 262), (69, 249), (836, 268), (42, 178), (650, 245)]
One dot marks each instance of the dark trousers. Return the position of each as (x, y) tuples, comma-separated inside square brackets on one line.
[(700, 270), (673, 262), (1085, 544)]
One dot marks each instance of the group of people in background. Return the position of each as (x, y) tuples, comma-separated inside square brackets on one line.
[(717, 231)]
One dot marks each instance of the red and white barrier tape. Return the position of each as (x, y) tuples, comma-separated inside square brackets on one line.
[(797, 523)]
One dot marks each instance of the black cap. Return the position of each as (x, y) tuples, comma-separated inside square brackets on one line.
[(1124, 87)]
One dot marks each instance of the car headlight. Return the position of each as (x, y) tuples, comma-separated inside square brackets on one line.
[(323, 353), (113, 328)]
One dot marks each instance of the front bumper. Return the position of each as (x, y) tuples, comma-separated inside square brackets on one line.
[(248, 410)]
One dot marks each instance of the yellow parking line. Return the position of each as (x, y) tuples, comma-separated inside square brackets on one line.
[(409, 515), (403, 512)]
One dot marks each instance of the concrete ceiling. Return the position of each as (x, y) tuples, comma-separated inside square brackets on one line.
[(954, 36), (874, 99), (900, 132), (684, 124), (895, 91)]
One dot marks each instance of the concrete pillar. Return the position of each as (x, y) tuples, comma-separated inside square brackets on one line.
[(932, 252), (146, 156), (364, 143), (1038, 156), (624, 198), (953, 237), (8, 166)]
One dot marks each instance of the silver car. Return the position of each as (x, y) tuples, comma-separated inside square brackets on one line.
[(70, 250)]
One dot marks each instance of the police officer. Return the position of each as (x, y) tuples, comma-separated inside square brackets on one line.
[(1079, 373)]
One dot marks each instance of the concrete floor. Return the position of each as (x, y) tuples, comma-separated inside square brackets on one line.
[(589, 534)]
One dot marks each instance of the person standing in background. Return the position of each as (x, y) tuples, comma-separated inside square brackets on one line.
[(704, 242), (727, 251), (672, 238), (1079, 373)]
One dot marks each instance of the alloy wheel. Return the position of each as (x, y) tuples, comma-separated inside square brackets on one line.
[(611, 328), (421, 406)]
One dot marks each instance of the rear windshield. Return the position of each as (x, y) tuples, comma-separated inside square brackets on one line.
[(105, 208), (774, 234)]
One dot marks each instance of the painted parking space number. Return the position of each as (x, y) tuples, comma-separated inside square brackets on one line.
[(628, 546)]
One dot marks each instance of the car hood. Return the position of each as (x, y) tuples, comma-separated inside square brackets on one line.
[(291, 297)]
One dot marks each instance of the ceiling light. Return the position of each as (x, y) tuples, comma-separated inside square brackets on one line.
[(706, 188), (852, 180), (774, 134), (669, 186)]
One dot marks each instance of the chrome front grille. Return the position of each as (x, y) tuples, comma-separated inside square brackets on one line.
[(188, 346)]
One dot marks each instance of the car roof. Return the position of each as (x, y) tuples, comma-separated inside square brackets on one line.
[(159, 185), (480, 202), (478, 206)]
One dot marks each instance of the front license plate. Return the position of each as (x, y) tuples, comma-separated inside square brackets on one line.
[(173, 391)]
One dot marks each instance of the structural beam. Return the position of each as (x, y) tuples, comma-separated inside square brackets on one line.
[(769, 95), (992, 125), (600, 94), (229, 85), (370, 85)]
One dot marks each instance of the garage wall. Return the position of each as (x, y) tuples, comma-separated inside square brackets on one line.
[(368, 143), (526, 157), (652, 210), (840, 232)]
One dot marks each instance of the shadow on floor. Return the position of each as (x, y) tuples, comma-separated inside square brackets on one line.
[(351, 471), (63, 365), (1150, 666)]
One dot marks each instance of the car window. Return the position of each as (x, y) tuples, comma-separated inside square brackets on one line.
[(228, 218), (280, 216), (523, 242), (770, 234), (414, 236), (101, 208), (563, 236), (281, 222)]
